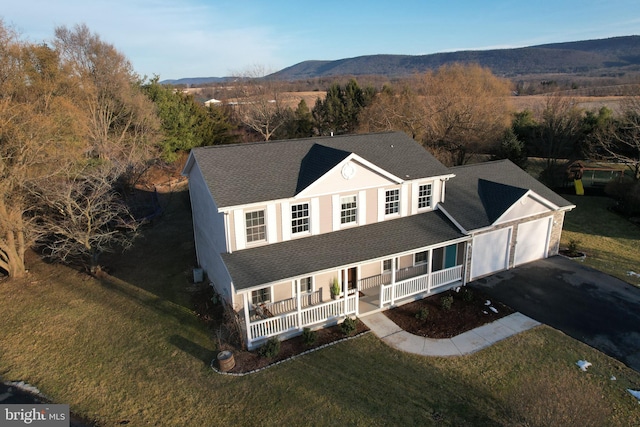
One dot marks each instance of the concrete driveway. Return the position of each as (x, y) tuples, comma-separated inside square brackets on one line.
[(586, 304)]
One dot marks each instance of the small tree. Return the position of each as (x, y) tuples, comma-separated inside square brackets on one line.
[(80, 217), (511, 148)]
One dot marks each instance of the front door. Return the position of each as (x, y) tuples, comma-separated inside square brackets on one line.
[(352, 277)]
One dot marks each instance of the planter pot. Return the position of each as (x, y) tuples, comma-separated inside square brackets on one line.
[(226, 362)]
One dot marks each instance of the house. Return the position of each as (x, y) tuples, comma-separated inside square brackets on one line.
[(276, 224)]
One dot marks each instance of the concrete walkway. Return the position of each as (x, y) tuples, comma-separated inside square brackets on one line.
[(465, 343)]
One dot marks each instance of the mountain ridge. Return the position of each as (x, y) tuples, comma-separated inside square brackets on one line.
[(612, 55)]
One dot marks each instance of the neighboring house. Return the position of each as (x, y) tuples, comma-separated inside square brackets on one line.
[(277, 223)]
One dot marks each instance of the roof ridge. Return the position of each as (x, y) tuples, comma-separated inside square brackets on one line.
[(490, 162), (310, 138)]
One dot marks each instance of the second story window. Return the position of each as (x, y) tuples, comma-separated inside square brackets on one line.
[(424, 196), (348, 209), (391, 201), (300, 218), (256, 230)]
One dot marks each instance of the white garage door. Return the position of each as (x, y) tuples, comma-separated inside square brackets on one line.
[(490, 252), (532, 240)]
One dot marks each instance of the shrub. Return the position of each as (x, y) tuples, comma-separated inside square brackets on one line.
[(467, 295), (573, 246), (335, 287), (309, 337), (422, 314), (270, 349), (447, 302), (349, 326)]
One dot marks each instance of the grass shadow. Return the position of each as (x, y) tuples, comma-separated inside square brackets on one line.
[(193, 349), (162, 258)]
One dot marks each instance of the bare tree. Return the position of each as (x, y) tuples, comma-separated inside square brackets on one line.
[(619, 140), (260, 102), (60, 110), (39, 134), (122, 126), (559, 126), (395, 109), (455, 111), (82, 215), (466, 110)]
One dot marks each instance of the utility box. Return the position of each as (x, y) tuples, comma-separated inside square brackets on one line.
[(198, 275)]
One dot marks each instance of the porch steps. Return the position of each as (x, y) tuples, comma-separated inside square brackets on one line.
[(465, 343)]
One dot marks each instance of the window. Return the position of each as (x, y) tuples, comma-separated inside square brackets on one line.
[(424, 196), (348, 209), (261, 296), (386, 265), (391, 201), (306, 286), (300, 218), (420, 258), (255, 226)]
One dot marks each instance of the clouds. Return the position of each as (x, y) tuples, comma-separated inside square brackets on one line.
[(203, 38), (169, 38)]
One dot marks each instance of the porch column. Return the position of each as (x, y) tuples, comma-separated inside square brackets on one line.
[(393, 279), (394, 267), (298, 300), (247, 315), (429, 270), (465, 263), (357, 294), (345, 289)]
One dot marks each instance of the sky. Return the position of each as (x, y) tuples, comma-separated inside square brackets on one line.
[(216, 38)]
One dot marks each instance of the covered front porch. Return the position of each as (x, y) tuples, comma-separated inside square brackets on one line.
[(358, 296)]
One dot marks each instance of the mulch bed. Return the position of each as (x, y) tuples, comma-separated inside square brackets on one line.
[(468, 310), (247, 361)]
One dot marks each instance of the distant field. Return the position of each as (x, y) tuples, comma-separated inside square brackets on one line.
[(519, 103), (587, 102)]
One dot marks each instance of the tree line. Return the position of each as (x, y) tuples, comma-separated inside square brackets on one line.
[(78, 128)]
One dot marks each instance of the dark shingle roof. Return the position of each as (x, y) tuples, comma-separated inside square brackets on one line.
[(480, 193), (262, 265), (239, 174)]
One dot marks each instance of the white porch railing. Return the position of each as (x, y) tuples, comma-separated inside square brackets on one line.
[(297, 320), (444, 277), (416, 285)]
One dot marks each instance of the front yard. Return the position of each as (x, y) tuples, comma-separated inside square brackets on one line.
[(128, 349)]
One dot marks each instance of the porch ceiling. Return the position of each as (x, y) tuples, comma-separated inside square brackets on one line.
[(272, 263)]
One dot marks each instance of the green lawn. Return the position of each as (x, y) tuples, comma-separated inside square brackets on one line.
[(611, 242), (128, 349)]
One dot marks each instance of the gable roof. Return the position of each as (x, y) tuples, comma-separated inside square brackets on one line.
[(263, 265), (239, 174), (481, 193)]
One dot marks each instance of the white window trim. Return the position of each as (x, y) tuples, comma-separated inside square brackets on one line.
[(430, 207), (266, 228), (397, 264), (290, 216), (263, 302), (384, 202), (294, 287), (426, 261), (339, 215)]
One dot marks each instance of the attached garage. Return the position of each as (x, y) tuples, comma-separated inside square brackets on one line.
[(532, 240), (490, 252)]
